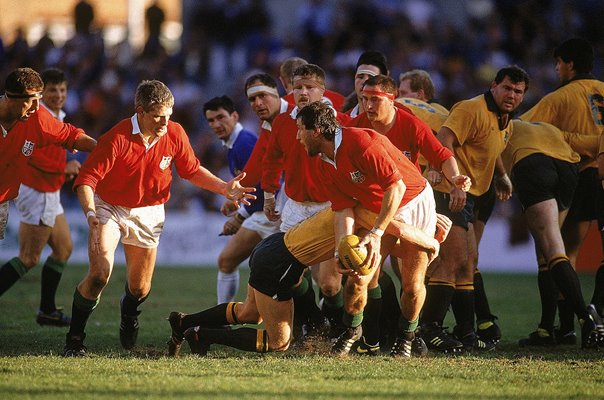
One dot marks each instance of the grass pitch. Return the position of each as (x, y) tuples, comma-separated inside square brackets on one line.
[(30, 366)]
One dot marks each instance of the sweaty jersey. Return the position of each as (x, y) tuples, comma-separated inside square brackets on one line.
[(432, 114), (124, 172), (366, 164), (530, 137), (253, 167), (481, 137), (411, 136), (577, 106), (286, 153), (23, 139)]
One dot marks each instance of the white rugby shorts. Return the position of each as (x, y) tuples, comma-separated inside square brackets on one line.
[(258, 222), (295, 212), (37, 207), (420, 212), (140, 226)]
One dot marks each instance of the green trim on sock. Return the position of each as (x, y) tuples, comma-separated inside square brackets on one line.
[(375, 293), (55, 265), (335, 301), (352, 320), (19, 267), (407, 326), (301, 289), (83, 303)]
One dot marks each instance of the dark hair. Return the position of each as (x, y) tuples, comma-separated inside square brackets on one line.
[(53, 76), (308, 70), (387, 83), (217, 103), (22, 80), (375, 58), (319, 115), (515, 73), (577, 50), (266, 79)]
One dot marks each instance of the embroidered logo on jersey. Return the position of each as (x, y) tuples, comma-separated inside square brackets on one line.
[(357, 177), (28, 148), (407, 154), (596, 103), (165, 162)]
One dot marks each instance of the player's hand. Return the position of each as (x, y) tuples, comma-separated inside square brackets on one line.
[(237, 193), (228, 208), (443, 226), (72, 168), (373, 243), (434, 177), (462, 182), (94, 237), (503, 187), (433, 254), (270, 210), (232, 225), (457, 200)]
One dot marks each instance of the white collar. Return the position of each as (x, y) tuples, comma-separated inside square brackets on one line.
[(233, 137), (337, 140), (136, 130), (282, 108)]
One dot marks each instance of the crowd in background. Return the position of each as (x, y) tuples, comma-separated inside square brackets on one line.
[(225, 40)]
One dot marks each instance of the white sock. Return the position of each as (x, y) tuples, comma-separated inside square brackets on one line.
[(227, 286)]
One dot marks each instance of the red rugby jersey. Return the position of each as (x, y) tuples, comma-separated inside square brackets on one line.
[(124, 173), (17, 147), (367, 165), (412, 136)]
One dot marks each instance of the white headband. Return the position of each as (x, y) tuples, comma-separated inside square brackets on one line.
[(254, 90), (366, 71)]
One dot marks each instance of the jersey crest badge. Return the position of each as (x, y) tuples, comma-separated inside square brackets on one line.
[(28, 148), (357, 177), (165, 162)]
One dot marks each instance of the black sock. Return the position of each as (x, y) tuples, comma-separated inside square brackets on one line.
[(129, 303), (481, 303), (80, 311), (438, 300), (567, 281), (566, 316), (597, 298), (462, 305), (10, 273), (391, 310), (212, 317), (372, 315), (51, 276), (548, 292), (305, 302), (333, 307), (247, 339)]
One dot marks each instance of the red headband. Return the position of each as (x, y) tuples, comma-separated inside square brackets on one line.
[(379, 93)]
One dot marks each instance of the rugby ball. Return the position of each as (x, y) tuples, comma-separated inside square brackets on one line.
[(352, 255)]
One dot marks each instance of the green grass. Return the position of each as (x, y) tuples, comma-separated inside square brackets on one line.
[(31, 368)]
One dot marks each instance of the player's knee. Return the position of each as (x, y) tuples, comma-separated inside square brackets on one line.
[(414, 289), (139, 292), (29, 260), (98, 281), (226, 263), (280, 344)]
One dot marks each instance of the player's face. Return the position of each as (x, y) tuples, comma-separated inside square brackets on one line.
[(305, 136), (154, 121), (404, 90), (564, 70), (377, 108), (265, 105), (222, 123), (23, 108), (360, 78), (306, 91), (507, 94), (55, 95)]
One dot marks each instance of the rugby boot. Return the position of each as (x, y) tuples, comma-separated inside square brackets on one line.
[(346, 339), (437, 338), (541, 337), (196, 343), (74, 346), (407, 348), (361, 348), (177, 337), (55, 318), (129, 330)]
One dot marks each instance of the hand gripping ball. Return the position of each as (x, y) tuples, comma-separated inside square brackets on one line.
[(352, 256)]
